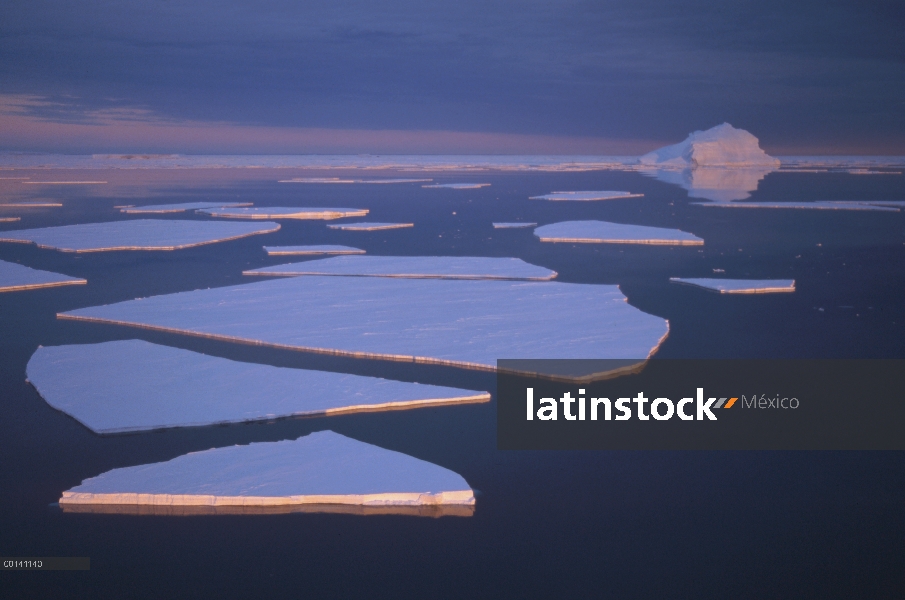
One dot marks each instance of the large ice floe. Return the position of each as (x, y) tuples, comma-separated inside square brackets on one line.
[(739, 286), (585, 196), (284, 212), (322, 468), (604, 232), (177, 208), (15, 277), (310, 250), (425, 267), (465, 323), (720, 146), (457, 186), (863, 205), (140, 234), (133, 385), (365, 226)]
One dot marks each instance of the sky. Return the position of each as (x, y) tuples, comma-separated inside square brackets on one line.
[(464, 76)]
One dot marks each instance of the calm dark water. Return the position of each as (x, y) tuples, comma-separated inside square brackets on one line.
[(547, 524)]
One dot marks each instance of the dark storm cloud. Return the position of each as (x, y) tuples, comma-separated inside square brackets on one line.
[(830, 72)]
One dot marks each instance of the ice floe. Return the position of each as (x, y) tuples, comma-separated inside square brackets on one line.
[(64, 182), (133, 385), (10, 219), (585, 196), (457, 186), (319, 468), (880, 206), (426, 267), (164, 510), (15, 277), (513, 225), (317, 180), (31, 205), (310, 250), (140, 234), (739, 286), (466, 323), (604, 232), (284, 212), (177, 208), (363, 226), (720, 146)]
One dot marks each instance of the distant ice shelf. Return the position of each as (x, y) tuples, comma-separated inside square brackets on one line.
[(284, 212), (320, 468), (513, 225), (457, 186), (310, 250), (177, 208), (140, 234), (364, 226), (15, 277), (739, 286), (423, 267), (879, 206), (132, 385), (586, 196), (465, 323), (603, 232)]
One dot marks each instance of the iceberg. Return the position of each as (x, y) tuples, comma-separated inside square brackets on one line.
[(133, 385), (720, 146), (365, 226), (513, 225), (140, 234), (283, 212), (424, 267), (15, 277), (890, 206), (585, 196), (320, 468), (463, 323), (310, 250), (177, 208), (739, 286), (603, 232), (457, 186)]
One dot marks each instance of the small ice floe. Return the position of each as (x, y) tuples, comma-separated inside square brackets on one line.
[(457, 186), (140, 234), (64, 182), (320, 468), (177, 208), (365, 226), (603, 232), (31, 205), (818, 205), (585, 196), (720, 146), (310, 250), (393, 180), (10, 219), (15, 277), (284, 212), (739, 286), (513, 225), (871, 172), (317, 180), (463, 323), (133, 385), (414, 267)]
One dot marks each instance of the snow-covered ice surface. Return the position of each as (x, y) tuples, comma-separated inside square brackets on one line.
[(284, 212), (467, 323), (177, 208), (720, 146), (739, 286), (457, 186), (365, 226), (140, 234), (320, 468), (310, 250), (713, 183), (133, 385), (441, 267), (15, 277), (585, 196), (513, 225), (880, 206), (604, 232)]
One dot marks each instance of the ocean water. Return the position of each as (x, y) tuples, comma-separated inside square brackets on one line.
[(546, 524)]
